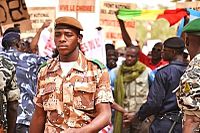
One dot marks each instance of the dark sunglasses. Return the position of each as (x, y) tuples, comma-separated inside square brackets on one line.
[(156, 49)]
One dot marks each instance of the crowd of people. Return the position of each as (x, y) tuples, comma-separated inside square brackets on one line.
[(131, 93)]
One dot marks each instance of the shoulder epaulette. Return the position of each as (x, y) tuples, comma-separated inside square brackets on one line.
[(101, 65), (43, 65)]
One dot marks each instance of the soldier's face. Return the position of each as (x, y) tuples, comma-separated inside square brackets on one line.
[(192, 44), (66, 41)]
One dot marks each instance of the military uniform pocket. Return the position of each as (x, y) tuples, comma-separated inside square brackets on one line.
[(50, 99), (84, 95)]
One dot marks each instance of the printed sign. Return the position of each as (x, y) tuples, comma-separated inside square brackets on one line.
[(77, 5), (38, 15), (94, 47), (12, 11), (109, 22), (194, 5)]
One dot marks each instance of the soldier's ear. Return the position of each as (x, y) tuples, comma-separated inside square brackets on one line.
[(80, 37), (187, 41)]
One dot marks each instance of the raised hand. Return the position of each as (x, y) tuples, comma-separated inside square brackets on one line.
[(46, 24)]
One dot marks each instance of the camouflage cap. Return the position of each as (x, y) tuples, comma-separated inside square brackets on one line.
[(68, 21), (193, 27)]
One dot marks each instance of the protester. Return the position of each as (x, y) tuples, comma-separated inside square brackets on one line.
[(121, 55), (111, 56), (155, 61), (131, 87), (26, 65), (74, 93), (161, 102), (9, 96), (111, 62), (188, 90), (35, 39)]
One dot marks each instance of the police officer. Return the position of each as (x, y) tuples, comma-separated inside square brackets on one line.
[(9, 96), (27, 66), (161, 102), (189, 87)]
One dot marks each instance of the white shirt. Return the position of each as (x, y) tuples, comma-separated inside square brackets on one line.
[(66, 66)]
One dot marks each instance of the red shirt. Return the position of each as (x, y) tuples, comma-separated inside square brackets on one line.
[(147, 61)]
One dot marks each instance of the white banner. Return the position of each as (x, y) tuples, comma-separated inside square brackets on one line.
[(94, 48)]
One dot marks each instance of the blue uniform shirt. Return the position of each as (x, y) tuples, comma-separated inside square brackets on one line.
[(26, 71), (160, 98)]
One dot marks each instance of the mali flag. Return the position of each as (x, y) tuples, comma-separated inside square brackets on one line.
[(172, 16)]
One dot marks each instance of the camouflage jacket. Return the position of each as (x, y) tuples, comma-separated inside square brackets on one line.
[(8, 86), (189, 88), (70, 100)]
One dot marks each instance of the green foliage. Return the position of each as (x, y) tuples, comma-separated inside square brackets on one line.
[(161, 30)]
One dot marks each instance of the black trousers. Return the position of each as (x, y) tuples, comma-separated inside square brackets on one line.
[(21, 128), (163, 125)]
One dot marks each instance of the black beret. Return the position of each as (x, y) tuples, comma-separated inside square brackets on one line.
[(174, 42), (68, 21), (11, 29)]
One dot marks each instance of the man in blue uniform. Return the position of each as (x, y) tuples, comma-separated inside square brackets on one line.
[(27, 66), (161, 102)]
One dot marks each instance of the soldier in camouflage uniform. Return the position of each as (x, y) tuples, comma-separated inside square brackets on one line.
[(9, 96), (73, 93), (189, 87)]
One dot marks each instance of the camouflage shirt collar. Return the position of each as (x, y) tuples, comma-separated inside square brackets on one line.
[(80, 64)]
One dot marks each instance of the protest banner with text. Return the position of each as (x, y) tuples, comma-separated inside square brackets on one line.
[(109, 22), (77, 5)]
